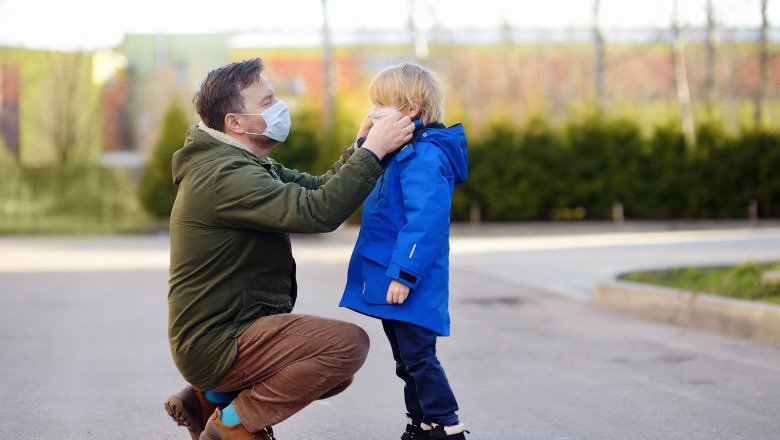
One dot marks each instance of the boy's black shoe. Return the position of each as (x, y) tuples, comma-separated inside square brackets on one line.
[(438, 432), (414, 432)]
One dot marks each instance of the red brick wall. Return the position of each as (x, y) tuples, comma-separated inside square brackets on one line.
[(116, 126), (9, 107)]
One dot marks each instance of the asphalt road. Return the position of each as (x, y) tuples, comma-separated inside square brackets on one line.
[(84, 351)]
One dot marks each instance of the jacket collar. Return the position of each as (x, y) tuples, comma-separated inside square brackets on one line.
[(230, 140), (222, 137)]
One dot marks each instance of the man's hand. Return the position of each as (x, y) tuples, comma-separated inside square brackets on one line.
[(388, 134), (397, 292), (365, 126)]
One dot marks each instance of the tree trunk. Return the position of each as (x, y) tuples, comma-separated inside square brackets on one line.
[(598, 51), (681, 80), (510, 65), (327, 61), (419, 38), (761, 108), (711, 81)]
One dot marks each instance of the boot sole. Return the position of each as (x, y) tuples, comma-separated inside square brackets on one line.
[(178, 412)]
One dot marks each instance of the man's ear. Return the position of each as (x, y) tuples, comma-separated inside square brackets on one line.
[(233, 124)]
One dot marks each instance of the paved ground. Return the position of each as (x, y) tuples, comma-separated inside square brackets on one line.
[(84, 352)]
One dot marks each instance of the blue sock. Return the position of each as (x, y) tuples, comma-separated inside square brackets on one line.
[(229, 416), (218, 398)]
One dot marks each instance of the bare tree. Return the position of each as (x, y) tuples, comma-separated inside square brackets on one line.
[(598, 50), (419, 38), (327, 59), (3, 141), (711, 84), (761, 108), (68, 117), (681, 78), (510, 61)]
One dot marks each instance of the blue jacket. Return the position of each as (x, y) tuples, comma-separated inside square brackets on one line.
[(405, 229)]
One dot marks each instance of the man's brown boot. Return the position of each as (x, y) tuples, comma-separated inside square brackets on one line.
[(216, 430), (190, 409)]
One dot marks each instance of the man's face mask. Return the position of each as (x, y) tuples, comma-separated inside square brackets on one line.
[(277, 121), (383, 112)]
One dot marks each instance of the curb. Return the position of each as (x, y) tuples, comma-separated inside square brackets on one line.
[(725, 315)]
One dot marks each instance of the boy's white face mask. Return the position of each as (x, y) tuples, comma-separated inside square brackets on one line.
[(382, 112)]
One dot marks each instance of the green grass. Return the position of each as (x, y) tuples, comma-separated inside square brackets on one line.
[(741, 281)]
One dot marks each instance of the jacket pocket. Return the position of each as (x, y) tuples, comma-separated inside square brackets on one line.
[(259, 303), (375, 282)]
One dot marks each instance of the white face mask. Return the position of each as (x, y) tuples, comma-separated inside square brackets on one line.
[(277, 121), (383, 112)]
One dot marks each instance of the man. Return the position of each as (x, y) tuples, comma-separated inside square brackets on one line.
[(250, 362)]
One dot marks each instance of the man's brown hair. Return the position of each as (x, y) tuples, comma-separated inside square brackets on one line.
[(220, 92)]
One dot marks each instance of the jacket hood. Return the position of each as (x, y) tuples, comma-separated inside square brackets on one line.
[(452, 141), (185, 158)]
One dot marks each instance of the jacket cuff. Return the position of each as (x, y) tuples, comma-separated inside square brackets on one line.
[(357, 144), (403, 276), (369, 159), (347, 152), (375, 156)]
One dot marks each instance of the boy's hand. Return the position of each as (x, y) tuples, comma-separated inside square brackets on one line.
[(397, 292), (365, 126)]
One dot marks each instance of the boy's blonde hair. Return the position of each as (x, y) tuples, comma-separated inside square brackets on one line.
[(405, 83)]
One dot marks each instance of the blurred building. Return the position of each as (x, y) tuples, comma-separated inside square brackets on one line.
[(9, 107), (162, 70), (488, 72)]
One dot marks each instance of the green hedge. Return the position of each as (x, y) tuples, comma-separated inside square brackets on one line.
[(584, 168), (579, 170), (533, 172), (156, 190)]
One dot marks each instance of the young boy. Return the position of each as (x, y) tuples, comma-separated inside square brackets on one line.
[(399, 267)]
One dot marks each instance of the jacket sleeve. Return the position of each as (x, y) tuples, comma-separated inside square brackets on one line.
[(427, 196), (309, 181), (245, 195)]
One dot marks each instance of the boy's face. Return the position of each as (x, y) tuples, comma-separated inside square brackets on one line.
[(378, 111)]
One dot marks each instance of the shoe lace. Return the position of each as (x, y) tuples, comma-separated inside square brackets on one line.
[(269, 433)]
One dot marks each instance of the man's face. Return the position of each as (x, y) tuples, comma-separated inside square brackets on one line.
[(257, 98)]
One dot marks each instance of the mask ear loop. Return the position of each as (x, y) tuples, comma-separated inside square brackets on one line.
[(251, 114), (385, 113), (261, 115)]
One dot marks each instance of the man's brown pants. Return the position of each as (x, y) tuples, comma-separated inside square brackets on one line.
[(287, 361)]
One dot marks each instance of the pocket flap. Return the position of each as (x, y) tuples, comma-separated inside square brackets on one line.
[(377, 255), (257, 303)]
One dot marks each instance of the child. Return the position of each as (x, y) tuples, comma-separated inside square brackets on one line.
[(399, 267)]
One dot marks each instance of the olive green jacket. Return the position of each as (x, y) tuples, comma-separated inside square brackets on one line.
[(231, 260)]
